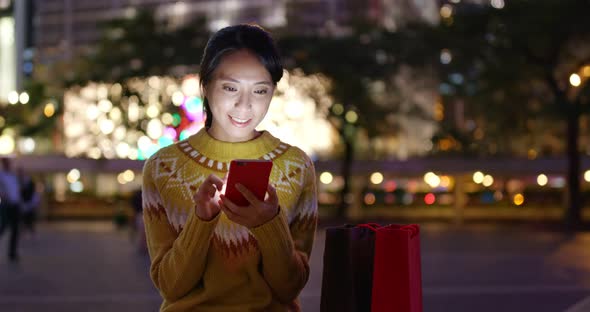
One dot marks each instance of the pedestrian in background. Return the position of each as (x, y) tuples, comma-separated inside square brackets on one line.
[(30, 199), (138, 226), (10, 204)]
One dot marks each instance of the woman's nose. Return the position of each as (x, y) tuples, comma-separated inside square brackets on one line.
[(243, 101)]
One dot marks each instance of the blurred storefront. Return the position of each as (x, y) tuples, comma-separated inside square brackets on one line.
[(110, 129)]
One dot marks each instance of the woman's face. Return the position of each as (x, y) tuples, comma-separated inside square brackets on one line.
[(239, 95)]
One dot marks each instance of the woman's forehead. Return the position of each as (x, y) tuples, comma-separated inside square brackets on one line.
[(242, 66)]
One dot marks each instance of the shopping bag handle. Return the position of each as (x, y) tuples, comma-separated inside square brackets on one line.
[(372, 226), (414, 229)]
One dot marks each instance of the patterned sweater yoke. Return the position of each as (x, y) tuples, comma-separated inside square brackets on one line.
[(219, 265)]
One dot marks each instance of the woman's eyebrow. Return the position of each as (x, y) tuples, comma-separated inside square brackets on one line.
[(237, 81)]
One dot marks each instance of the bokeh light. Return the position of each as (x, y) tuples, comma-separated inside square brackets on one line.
[(369, 199), (429, 198), (6, 144), (488, 180), (24, 98), (432, 179), (376, 178), (575, 80), (478, 177), (338, 109), (128, 175), (446, 11), (445, 56), (12, 97), (77, 187), (390, 186), (100, 120), (497, 4), (73, 175), (26, 145), (518, 199), (326, 177), (351, 117), (445, 181), (542, 180)]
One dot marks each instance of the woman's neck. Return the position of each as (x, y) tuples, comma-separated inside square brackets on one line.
[(221, 136)]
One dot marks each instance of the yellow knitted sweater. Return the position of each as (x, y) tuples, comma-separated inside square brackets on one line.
[(219, 265)]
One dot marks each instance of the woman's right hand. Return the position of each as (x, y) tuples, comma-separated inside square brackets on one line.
[(206, 198)]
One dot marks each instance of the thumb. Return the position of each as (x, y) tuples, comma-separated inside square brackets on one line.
[(272, 193)]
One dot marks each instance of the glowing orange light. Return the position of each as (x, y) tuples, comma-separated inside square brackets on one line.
[(370, 199)]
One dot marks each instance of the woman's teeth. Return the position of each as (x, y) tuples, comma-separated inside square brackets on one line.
[(239, 120)]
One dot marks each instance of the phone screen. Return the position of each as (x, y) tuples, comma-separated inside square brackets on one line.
[(251, 173)]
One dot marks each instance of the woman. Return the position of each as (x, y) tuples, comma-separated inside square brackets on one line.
[(208, 254)]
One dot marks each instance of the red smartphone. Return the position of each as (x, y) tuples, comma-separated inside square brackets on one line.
[(251, 173)]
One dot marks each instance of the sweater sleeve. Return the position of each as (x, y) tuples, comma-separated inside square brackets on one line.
[(177, 259), (285, 247)]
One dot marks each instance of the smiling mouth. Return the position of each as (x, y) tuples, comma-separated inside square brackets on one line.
[(240, 122)]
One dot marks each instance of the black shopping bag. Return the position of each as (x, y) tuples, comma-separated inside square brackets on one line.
[(348, 269)]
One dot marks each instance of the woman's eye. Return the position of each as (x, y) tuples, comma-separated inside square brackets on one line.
[(228, 88), (264, 91)]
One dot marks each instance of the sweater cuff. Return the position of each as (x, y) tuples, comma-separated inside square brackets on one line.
[(197, 232), (274, 236)]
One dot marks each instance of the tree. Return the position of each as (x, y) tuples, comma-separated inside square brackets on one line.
[(513, 66), (355, 63), (142, 46)]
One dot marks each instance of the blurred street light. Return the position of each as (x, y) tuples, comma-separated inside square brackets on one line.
[(376, 178), (26, 145), (77, 187), (446, 11), (478, 177), (73, 175), (518, 199), (13, 97), (575, 80), (6, 145), (351, 117), (542, 180), (326, 177), (497, 4), (338, 109), (24, 98), (49, 110), (429, 199), (432, 179), (369, 198), (445, 56), (488, 180)]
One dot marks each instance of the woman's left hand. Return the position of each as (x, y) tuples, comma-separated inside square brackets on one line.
[(257, 212)]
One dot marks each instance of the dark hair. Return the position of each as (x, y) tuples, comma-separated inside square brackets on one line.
[(233, 38)]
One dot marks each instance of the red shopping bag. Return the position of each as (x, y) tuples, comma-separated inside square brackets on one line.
[(397, 274)]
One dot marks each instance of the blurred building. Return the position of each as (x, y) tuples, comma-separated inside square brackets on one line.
[(67, 26), (15, 47)]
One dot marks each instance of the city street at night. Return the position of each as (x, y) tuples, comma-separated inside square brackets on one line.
[(470, 118), (92, 266)]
